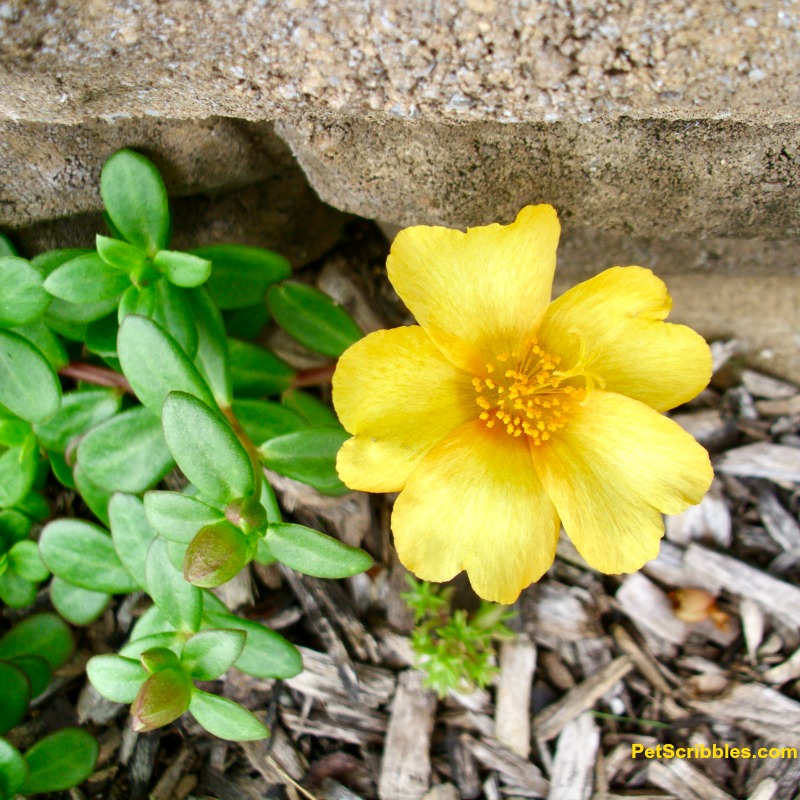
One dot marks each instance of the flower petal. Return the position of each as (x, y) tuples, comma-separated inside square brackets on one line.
[(475, 503), (619, 315), (611, 472), (486, 288), (400, 396)]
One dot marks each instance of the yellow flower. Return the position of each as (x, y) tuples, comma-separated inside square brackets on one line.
[(503, 415)]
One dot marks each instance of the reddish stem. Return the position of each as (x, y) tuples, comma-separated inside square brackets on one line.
[(316, 376), (99, 376)]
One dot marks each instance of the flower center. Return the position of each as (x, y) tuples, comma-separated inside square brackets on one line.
[(527, 394)]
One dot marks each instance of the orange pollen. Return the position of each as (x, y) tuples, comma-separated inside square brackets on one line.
[(527, 395)]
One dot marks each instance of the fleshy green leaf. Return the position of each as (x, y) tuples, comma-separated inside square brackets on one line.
[(131, 533), (136, 647), (210, 653), (179, 601), (314, 553), (241, 275), (312, 318), (34, 505), (212, 345), (120, 255), (136, 200), (316, 413), (256, 372), (226, 719), (217, 554), (84, 555), (95, 496), (78, 606), (141, 301), (263, 420), (308, 456), (183, 269), (14, 527), (29, 385), (80, 411), (38, 671), (173, 312), (13, 767), (155, 364), (45, 341), (18, 467), (101, 336), (164, 696), (116, 678), (45, 635), (14, 697), (178, 517), (127, 453), (206, 449), (22, 297), (246, 323), (60, 761), (266, 653), (86, 279), (24, 559), (6, 246)]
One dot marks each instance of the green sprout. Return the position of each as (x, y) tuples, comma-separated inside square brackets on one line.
[(454, 649)]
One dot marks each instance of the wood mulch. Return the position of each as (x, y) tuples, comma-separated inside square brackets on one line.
[(600, 663)]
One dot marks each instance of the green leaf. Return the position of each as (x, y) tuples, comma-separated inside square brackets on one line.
[(164, 696), (14, 697), (313, 553), (266, 653), (127, 453), (96, 497), (316, 413), (45, 341), (38, 671), (136, 200), (78, 606), (179, 601), (22, 298), (13, 767), (158, 658), (80, 411), (155, 364), (173, 312), (136, 647), (308, 456), (18, 467), (34, 505), (141, 301), (6, 246), (210, 653), (246, 323), (86, 279), (206, 449), (15, 591), (60, 761), (262, 419), (183, 269), (241, 275), (24, 559), (29, 386), (212, 345), (14, 431), (83, 554), (131, 533), (44, 635), (217, 554), (256, 372), (101, 336), (312, 318), (151, 622), (226, 719), (116, 678), (120, 255), (178, 517), (14, 527)]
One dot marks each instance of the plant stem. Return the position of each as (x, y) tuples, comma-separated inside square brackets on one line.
[(315, 376), (95, 374)]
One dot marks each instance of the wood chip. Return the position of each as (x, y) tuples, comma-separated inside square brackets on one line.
[(574, 763), (406, 765), (761, 385), (321, 680), (714, 571), (444, 791), (782, 526), (555, 717), (722, 352), (766, 790), (753, 625), (756, 709), (684, 780), (351, 724), (775, 462), (650, 609), (778, 408), (463, 767), (708, 521), (713, 430), (562, 614), (515, 769), (165, 787), (513, 699), (644, 661), (788, 670)]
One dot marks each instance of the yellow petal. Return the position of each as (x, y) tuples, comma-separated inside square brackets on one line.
[(611, 472), (619, 315), (481, 292), (475, 503), (400, 396)]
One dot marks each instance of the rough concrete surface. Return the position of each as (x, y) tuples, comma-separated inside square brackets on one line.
[(511, 60)]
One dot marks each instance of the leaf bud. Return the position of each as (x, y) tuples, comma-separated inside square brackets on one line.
[(216, 554)]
